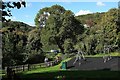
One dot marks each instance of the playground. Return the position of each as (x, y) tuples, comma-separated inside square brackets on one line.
[(91, 69)]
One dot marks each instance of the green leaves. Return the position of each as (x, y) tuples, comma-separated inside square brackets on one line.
[(6, 6), (60, 26), (12, 48), (34, 40)]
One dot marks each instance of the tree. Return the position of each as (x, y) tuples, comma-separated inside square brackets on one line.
[(34, 45), (13, 47), (90, 23), (68, 46), (109, 27), (11, 40), (6, 6), (44, 13), (60, 26)]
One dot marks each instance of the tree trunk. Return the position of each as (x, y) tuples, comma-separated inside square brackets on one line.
[(59, 45)]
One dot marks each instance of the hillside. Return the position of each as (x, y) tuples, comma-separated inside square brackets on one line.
[(91, 19), (20, 26)]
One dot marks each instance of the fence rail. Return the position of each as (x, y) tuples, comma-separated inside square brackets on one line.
[(28, 67)]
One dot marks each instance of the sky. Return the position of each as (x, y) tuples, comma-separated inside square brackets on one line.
[(27, 15)]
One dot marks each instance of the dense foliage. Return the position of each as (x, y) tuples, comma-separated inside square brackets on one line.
[(62, 30), (61, 26), (58, 28), (104, 31), (5, 8)]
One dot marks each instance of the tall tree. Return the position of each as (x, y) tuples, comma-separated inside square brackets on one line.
[(13, 47), (109, 26), (34, 42), (60, 25)]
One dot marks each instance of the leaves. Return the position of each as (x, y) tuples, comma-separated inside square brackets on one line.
[(60, 25), (6, 6), (4, 13), (9, 5), (23, 3), (18, 5), (34, 41), (14, 42)]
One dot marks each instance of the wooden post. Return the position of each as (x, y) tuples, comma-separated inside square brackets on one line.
[(16, 68), (28, 67), (9, 73), (23, 68)]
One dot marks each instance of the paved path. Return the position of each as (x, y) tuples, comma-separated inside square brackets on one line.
[(95, 64)]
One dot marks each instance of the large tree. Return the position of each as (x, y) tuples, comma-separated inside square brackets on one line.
[(109, 27), (12, 42), (60, 26), (105, 31), (34, 47), (13, 47)]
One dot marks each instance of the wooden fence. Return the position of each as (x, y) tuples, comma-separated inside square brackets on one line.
[(28, 67)]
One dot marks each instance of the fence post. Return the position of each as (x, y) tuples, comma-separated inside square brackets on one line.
[(28, 67), (16, 69), (9, 72), (23, 68)]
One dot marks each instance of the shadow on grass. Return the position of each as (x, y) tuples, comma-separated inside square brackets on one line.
[(70, 67), (72, 75)]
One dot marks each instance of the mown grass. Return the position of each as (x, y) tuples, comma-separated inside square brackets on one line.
[(47, 69), (2, 73), (42, 72), (55, 72), (73, 74), (24, 74), (101, 54)]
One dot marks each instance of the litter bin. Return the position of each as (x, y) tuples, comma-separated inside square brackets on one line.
[(64, 65)]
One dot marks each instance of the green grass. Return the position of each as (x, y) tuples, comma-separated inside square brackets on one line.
[(73, 74), (2, 73), (43, 71), (47, 69), (40, 70), (101, 54), (55, 72)]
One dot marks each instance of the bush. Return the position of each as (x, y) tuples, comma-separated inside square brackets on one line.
[(59, 55), (37, 58)]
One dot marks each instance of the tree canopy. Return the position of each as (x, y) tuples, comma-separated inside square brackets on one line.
[(60, 26)]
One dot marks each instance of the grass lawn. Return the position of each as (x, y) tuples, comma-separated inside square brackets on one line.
[(56, 73), (2, 73), (47, 69), (83, 75), (101, 54)]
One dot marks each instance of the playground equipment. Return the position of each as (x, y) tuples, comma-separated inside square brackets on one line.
[(107, 56), (79, 57)]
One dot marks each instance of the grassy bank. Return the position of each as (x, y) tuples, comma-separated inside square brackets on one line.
[(55, 72), (101, 54), (47, 69), (2, 73), (73, 74)]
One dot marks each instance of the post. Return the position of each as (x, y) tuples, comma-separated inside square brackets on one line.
[(23, 68), (28, 67), (9, 73)]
